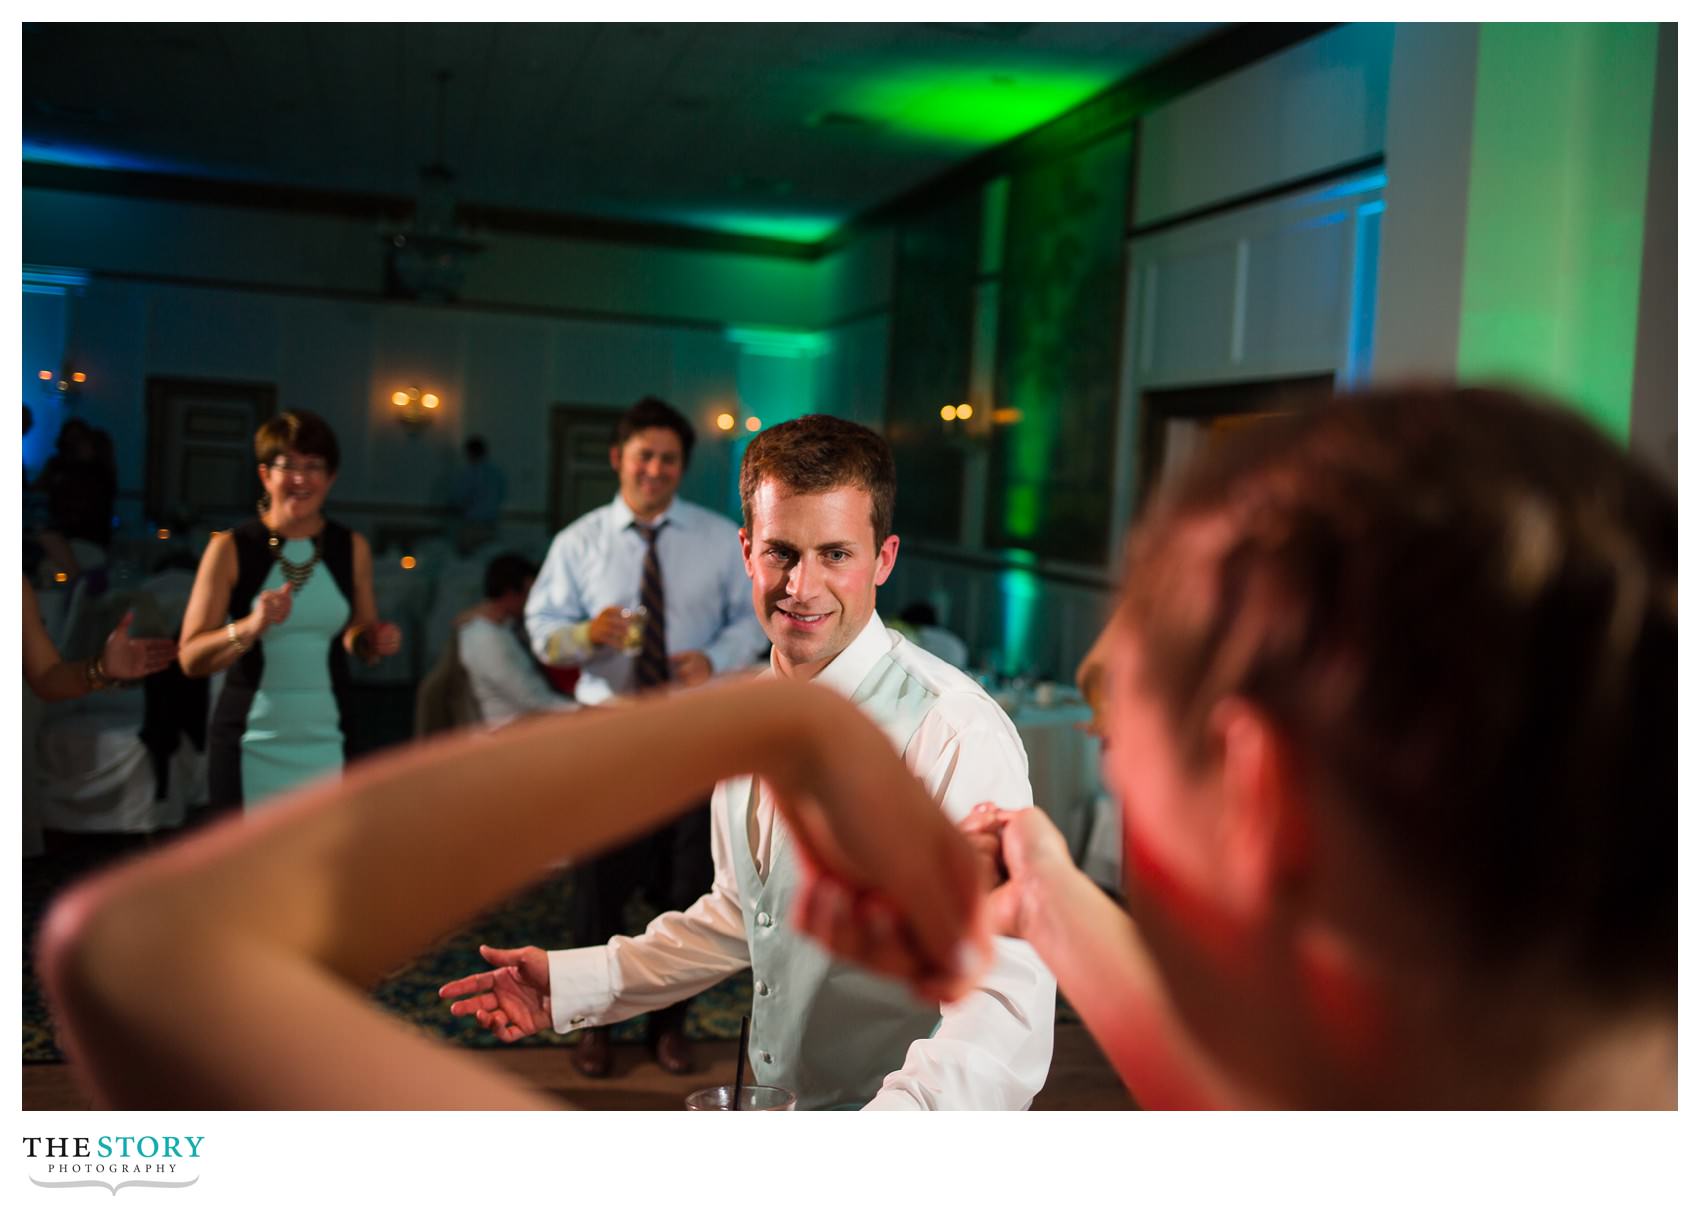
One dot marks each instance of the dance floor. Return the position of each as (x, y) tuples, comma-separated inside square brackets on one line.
[(1081, 1079)]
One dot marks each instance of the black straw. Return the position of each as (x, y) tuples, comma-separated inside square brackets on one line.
[(743, 1053)]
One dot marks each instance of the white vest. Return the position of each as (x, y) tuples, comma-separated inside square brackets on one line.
[(827, 1030)]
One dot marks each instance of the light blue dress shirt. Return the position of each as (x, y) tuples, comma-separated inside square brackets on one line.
[(598, 562)]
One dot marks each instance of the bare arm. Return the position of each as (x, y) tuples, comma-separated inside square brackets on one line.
[(220, 971), (51, 678), (204, 645), (55, 679), (1101, 963), (368, 637)]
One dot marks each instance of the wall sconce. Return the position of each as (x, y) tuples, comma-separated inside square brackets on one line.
[(726, 421), (68, 380), (957, 412), (415, 406)]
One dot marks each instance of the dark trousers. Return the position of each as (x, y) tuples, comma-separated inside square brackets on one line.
[(672, 867)]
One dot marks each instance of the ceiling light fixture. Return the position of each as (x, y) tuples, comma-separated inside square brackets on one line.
[(427, 258)]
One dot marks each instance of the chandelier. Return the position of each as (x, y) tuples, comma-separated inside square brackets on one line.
[(427, 258)]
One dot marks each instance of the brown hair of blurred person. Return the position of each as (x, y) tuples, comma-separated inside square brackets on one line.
[(1447, 620)]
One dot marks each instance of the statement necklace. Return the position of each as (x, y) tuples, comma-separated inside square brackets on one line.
[(295, 574)]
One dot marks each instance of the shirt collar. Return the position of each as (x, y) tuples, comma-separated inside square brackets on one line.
[(850, 666), (623, 516)]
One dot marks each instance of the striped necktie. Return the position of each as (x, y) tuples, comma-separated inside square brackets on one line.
[(652, 667)]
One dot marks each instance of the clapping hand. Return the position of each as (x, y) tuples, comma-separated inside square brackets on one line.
[(510, 1001), (386, 639), (271, 607), (128, 657)]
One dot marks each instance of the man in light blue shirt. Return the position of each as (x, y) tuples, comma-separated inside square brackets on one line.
[(580, 610), (646, 590)]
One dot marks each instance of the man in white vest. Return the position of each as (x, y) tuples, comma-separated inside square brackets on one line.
[(817, 496)]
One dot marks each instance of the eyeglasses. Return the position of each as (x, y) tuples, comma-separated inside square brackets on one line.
[(306, 467)]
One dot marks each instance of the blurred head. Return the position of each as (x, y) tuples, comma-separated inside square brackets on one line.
[(818, 495), (1394, 699), (298, 458), (652, 448), (76, 440), (507, 581), (475, 449)]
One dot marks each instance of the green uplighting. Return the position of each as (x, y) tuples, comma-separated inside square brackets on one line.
[(1019, 590), (780, 342), (1558, 187), (977, 106), (798, 229)]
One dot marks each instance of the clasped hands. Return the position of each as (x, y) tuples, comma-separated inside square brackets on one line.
[(1010, 853)]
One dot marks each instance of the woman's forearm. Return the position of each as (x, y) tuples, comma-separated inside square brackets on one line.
[(62, 680), (1104, 969), (205, 654), (168, 974)]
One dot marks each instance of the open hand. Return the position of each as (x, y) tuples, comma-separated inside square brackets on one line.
[(127, 658), (510, 1001)]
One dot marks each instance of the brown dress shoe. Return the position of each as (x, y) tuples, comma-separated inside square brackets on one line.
[(590, 1055), (673, 1052)]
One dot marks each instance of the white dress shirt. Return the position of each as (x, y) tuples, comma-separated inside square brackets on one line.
[(503, 679), (992, 1048), (597, 562)]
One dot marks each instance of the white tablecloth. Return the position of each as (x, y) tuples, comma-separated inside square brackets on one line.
[(95, 775), (1062, 763)]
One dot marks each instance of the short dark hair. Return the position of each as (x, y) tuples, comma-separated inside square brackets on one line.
[(653, 413), (1459, 607), (297, 430), (506, 573), (475, 447), (817, 453), (919, 614)]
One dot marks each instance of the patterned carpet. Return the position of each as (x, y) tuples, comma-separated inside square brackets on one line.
[(540, 915)]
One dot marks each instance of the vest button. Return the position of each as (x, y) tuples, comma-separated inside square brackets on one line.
[(761, 988), (767, 1058), (764, 919)]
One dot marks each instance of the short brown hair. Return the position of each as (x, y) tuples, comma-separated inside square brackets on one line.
[(817, 453), (654, 413), (1459, 607), (297, 430)]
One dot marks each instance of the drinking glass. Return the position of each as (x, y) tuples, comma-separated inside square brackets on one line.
[(755, 1098)]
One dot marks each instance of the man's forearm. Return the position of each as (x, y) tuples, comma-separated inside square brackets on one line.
[(678, 956)]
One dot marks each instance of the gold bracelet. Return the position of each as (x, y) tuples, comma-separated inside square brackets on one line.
[(235, 640), (98, 679)]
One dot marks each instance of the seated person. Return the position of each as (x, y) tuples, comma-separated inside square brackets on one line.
[(504, 679), (920, 623)]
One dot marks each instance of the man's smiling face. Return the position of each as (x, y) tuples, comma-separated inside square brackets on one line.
[(814, 567)]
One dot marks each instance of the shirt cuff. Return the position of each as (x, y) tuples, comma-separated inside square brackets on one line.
[(580, 992), (567, 645)]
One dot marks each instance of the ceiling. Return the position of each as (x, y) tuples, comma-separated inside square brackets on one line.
[(775, 130)]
